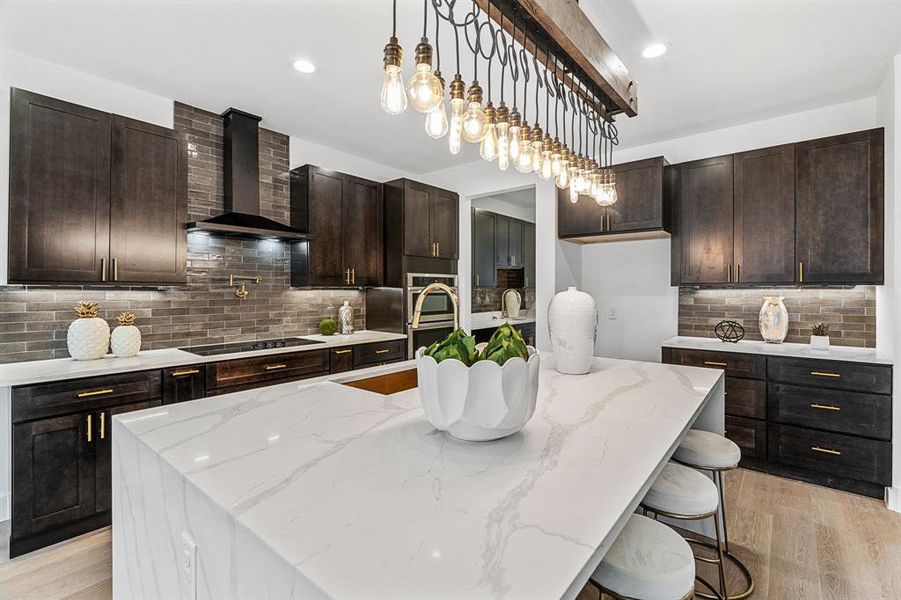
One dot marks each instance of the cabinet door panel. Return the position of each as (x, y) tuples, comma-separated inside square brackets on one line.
[(326, 262), (765, 215), (639, 188), (444, 220), (417, 219), (483, 235), (839, 184), (584, 217), (59, 190), (528, 245), (502, 241), (53, 474), (181, 384), (514, 238), (148, 204), (706, 220), (363, 247)]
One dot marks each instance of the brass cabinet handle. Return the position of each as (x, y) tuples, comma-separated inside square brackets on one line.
[(825, 374), (437, 248), (348, 351), (185, 372), (274, 367), (115, 269), (713, 363), (102, 425), (728, 273), (738, 273), (477, 280), (103, 269), (95, 393), (826, 451), (825, 407), (353, 275), (383, 350), (90, 427), (609, 221), (800, 272)]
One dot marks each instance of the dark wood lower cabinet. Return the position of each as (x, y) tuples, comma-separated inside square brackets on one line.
[(181, 384), (341, 359)]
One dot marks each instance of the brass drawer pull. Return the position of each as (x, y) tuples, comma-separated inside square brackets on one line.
[(274, 367), (826, 451), (826, 407), (90, 427), (383, 351), (348, 351), (825, 374), (95, 393), (713, 363), (185, 372), (102, 425)]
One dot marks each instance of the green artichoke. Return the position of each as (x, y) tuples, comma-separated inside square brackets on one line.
[(505, 343)]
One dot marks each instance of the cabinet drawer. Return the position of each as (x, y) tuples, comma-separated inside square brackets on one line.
[(831, 453), (735, 365), (868, 415), (857, 377), (749, 435), (259, 370), (76, 395), (341, 359), (746, 397), (379, 353), (181, 384)]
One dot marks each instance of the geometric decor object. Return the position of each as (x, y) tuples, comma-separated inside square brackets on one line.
[(729, 331)]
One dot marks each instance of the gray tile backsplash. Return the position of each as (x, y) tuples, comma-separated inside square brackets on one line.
[(34, 320)]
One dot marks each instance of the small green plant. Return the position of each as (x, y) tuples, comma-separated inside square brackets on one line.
[(328, 327), (821, 329), (505, 343)]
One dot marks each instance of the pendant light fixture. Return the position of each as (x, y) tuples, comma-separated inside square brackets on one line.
[(424, 88), (394, 97), (436, 125)]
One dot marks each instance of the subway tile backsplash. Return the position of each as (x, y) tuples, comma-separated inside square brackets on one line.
[(849, 311), (34, 320)]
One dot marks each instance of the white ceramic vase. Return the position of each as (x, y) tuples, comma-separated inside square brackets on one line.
[(479, 403), (346, 318), (819, 342), (512, 303), (88, 339), (573, 325), (126, 341), (773, 320)]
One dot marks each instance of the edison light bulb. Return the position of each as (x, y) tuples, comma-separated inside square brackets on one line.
[(536, 149), (474, 123), (503, 145), (424, 89), (562, 179), (515, 143), (555, 158), (394, 98), (489, 146), (546, 171), (573, 194), (436, 122), (458, 109)]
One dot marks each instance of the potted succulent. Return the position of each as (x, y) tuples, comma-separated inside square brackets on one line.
[(819, 336), (88, 335), (328, 327), (479, 392)]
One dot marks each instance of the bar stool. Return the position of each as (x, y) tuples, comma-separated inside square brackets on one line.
[(680, 492), (709, 451), (648, 561)]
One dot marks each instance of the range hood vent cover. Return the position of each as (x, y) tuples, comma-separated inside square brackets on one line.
[(242, 218)]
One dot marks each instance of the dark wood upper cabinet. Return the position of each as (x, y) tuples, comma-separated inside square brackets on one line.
[(839, 196), (484, 271), (418, 240), (148, 203), (444, 223), (577, 219), (764, 215), (528, 251), (501, 240), (59, 191), (343, 214), (94, 197), (705, 220)]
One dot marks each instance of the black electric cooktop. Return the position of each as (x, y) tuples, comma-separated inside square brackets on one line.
[(248, 346)]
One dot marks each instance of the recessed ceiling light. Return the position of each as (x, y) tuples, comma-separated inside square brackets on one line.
[(654, 50), (304, 66)]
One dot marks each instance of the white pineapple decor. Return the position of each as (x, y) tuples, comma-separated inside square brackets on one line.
[(88, 336), (126, 340)]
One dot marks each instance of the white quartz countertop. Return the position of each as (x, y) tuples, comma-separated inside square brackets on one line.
[(44, 371), (356, 493), (484, 320), (843, 353)]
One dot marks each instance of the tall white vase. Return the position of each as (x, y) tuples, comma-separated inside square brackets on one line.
[(773, 320), (573, 324)]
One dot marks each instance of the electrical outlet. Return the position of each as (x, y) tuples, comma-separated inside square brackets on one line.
[(188, 567), (611, 314)]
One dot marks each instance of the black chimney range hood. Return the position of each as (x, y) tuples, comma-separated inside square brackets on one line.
[(242, 218)]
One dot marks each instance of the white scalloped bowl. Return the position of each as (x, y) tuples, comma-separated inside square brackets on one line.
[(479, 403)]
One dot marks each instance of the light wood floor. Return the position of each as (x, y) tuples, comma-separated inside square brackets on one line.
[(800, 542)]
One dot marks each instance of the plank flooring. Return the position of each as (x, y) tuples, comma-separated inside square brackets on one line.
[(800, 541)]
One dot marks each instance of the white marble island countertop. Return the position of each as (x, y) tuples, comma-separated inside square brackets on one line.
[(842, 353), (303, 491)]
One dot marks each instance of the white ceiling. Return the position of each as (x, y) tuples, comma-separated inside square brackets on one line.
[(731, 61), (524, 198)]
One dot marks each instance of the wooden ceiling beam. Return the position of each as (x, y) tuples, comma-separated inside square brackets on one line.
[(571, 30)]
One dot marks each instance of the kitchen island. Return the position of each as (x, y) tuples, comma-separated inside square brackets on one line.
[(322, 490)]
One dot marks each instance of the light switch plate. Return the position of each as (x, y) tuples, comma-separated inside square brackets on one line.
[(611, 314), (188, 567)]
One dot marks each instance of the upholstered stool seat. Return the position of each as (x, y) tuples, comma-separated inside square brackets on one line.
[(648, 561), (706, 450), (683, 491)]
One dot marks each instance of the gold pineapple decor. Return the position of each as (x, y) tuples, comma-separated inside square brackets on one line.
[(88, 335), (125, 319)]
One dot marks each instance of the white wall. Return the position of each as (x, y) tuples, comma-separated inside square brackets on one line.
[(632, 277), (888, 297), (502, 207)]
